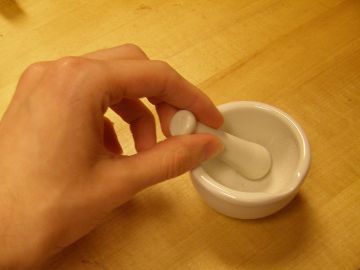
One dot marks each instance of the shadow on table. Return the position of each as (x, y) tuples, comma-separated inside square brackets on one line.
[(265, 242), (116, 233), (230, 242), (10, 10)]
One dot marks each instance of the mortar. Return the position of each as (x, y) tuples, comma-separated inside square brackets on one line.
[(231, 194)]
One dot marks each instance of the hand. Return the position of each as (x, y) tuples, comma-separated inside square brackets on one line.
[(61, 165)]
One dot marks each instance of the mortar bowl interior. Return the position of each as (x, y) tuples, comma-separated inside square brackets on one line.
[(222, 187)]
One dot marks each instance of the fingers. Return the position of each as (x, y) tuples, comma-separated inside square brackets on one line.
[(111, 142), (107, 82), (141, 121), (165, 113), (136, 79), (126, 51), (122, 178)]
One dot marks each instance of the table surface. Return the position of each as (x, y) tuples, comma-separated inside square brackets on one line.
[(301, 56)]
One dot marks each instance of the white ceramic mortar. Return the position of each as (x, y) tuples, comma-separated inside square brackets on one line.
[(231, 194)]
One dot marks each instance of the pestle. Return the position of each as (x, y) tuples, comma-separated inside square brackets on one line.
[(249, 159)]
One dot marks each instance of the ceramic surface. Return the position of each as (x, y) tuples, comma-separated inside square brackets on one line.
[(248, 158), (231, 194)]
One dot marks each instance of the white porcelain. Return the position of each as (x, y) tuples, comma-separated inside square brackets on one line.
[(233, 195), (250, 159)]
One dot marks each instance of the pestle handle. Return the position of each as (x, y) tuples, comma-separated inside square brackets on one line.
[(250, 159)]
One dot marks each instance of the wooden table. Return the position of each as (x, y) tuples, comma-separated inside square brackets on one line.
[(301, 56)]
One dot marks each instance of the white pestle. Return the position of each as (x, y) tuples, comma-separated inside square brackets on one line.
[(249, 159)]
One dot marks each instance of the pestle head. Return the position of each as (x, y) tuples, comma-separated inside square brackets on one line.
[(182, 123), (248, 158)]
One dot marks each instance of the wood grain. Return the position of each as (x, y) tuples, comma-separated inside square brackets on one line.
[(301, 56)]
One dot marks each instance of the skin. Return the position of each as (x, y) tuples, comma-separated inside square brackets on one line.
[(61, 166)]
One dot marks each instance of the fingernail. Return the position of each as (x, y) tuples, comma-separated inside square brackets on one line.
[(213, 148)]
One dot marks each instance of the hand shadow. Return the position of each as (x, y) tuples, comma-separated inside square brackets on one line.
[(11, 10), (230, 242), (118, 231)]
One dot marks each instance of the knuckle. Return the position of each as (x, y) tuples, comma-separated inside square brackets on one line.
[(69, 69), (170, 73), (72, 63), (162, 65), (31, 74), (69, 72), (171, 78), (134, 49), (35, 68)]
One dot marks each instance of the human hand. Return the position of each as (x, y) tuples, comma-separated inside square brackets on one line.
[(61, 165)]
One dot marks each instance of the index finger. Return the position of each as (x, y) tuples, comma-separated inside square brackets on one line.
[(156, 79)]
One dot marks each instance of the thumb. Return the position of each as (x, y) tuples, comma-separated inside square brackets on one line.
[(125, 176)]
